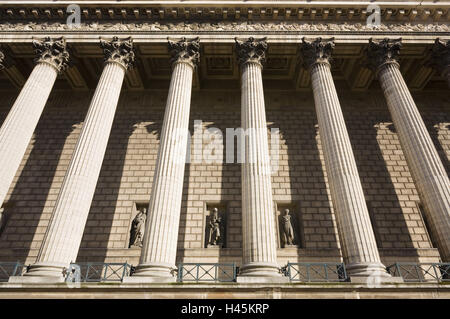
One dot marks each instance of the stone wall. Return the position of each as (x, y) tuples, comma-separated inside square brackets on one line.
[(126, 176)]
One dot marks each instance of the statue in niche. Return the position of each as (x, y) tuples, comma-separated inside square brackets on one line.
[(215, 231), (137, 228), (287, 231)]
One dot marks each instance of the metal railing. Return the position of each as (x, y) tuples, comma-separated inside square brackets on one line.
[(97, 272), (199, 272), (421, 272), (8, 269), (316, 272)]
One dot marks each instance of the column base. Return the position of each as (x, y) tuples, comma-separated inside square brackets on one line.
[(370, 274), (48, 272), (260, 269), (152, 273), (366, 270)]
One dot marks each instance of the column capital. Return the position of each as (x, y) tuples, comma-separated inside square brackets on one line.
[(440, 57), (317, 51), (118, 51), (383, 52), (52, 51), (251, 51), (184, 51)]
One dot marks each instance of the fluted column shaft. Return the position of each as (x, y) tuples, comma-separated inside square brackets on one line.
[(19, 125), (258, 219), (423, 160), (259, 244), (358, 243), (355, 230), (161, 232), (64, 233)]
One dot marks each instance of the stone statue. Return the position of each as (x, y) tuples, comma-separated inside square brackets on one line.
[(287, 231), (215, 224), (137, 228)]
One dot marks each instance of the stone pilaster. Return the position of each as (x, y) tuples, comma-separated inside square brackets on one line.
[(65, 231), (423, 160), (440, 58), (19, 125), (258, 221), (355, 230), (159, 249)]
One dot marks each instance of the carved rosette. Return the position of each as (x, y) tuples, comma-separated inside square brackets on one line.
[(440, 57), (185, 51), (251, 51), (2, 60), (53, 52), (383, 52), (119, 51), (317, 51)]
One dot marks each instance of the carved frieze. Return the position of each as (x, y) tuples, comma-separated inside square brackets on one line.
[(53, 52), (282, 26), (316, 51), (185, 51), (119, 51), (382, 52)]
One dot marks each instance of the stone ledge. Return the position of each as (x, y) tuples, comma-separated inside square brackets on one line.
[(225, 290)]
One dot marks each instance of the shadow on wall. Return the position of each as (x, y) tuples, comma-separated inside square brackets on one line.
[(39, 181), (308, 187), (382, 166)]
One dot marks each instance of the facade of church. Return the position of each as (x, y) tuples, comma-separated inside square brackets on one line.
[(253, 147)]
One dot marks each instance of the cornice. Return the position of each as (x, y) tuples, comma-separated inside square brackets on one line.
[(402, 11)]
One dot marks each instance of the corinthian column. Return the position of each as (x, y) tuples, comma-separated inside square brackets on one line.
[(159, 249), (258, 227), (63, 237), (355, 230), (423, 160), (440, 58), (2, 64), (19, 125)]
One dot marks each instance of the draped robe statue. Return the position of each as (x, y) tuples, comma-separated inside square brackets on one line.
[(137, 228)]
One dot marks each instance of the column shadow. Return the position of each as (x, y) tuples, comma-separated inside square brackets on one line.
[(307, 185), (96, 241), (382, 197), (33, 194)]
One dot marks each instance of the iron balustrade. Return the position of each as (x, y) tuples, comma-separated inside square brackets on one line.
[(97, 272), (216, 272), (421, 272), (316, 272), (8, 269)]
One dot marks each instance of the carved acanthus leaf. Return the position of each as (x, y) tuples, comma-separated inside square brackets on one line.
[(187, 51), (317, 51), (251, 51), (119, 51), (53, 52), (382, 52)]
